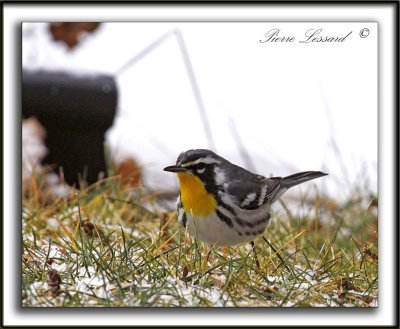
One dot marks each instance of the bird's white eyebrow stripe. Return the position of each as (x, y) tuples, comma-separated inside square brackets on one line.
[(187, 164), (207, 160)]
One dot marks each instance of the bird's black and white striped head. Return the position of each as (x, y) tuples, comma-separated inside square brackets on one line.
[(200, 162), (198, 159)]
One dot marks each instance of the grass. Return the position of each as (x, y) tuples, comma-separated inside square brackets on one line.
[(109, 245)]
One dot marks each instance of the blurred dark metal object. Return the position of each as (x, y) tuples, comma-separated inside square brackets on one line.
[(76, 111), (71, 33)]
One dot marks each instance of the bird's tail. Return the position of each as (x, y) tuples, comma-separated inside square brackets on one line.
[(301, 177)]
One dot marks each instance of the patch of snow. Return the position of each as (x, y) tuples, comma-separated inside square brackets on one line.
[(52, 224)]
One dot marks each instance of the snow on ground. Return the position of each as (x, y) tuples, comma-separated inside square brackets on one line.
[(93, 285)]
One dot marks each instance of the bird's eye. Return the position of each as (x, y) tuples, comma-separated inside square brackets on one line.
[(200, 168)]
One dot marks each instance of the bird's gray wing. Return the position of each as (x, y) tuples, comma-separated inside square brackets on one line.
[(252, 194)]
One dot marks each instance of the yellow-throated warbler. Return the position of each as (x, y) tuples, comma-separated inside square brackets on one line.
[(223, 204)]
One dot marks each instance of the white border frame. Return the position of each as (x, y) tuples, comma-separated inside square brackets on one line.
[(14, 13)]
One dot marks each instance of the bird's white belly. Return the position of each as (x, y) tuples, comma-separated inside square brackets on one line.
[(212, 230)]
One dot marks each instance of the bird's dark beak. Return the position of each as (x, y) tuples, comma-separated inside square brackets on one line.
[(175, 168)]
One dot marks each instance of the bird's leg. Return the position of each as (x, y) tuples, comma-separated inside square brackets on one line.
[(255, 254)]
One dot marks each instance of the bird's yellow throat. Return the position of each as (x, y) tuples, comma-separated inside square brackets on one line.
[(196, 200)]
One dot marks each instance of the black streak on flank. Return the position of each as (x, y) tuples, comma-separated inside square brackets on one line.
[(184, 218), (252, 224), (224, 218)]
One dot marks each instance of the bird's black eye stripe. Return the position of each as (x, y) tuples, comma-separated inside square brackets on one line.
[(200, 165), (197, 167)]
